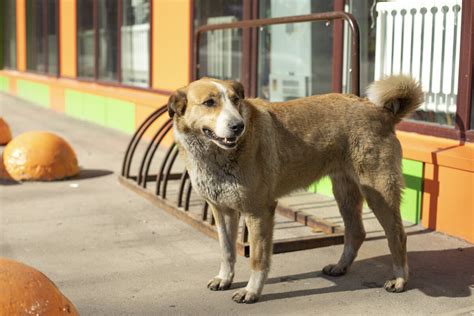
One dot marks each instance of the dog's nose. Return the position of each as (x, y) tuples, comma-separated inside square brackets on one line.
[(237, 128)]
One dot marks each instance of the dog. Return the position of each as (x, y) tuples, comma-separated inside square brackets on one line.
[(243, 154)]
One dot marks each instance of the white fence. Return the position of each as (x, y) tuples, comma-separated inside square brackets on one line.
[(421, 38)]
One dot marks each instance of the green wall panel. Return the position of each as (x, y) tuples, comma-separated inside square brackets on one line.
[(94, 108), (34, 92), (121, 115), (410, 207), (110, 112), (4, 84), (73, 103), (412, 195)]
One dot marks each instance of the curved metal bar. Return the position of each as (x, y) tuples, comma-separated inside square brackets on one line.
[(188, 196), (245, 24), (137, 136), (213, 220), (159, 176), (150, 152), (168, 169), (205, 211), (145, 155), (184, 177)]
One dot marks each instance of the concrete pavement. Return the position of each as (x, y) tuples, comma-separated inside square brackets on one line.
[(112, 253)]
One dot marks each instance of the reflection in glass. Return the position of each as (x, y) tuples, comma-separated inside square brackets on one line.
[(9, 34), (108, 40), (220, 51), (295, 60), (35, 44), (135, 32), (42, 36), (85, 38), (52, 35)]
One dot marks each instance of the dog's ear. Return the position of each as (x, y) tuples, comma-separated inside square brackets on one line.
[(177, 103), (238, 88)]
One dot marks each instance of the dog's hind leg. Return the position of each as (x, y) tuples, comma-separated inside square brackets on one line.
[(382, 191), (260, 236), (227, 228), (349, 199)]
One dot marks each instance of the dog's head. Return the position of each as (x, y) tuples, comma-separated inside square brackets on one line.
[(210, 108)]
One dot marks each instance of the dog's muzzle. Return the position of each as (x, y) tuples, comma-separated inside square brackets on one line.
[(225, 142)]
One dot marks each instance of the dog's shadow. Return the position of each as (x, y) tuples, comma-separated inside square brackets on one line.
[(439, 273)]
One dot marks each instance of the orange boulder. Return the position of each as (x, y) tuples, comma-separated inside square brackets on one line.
[(26, 291), (5, 132), (39, 156)]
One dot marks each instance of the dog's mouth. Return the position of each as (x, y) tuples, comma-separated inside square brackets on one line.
[(225, 142)]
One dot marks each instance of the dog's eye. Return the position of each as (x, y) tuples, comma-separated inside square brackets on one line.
[(209, 102)]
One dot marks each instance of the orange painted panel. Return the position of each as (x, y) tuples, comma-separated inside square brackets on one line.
[(21, 34), (12, 85), (68, 38), (57, 98), (170, 42), (438, 151), (448, 201)]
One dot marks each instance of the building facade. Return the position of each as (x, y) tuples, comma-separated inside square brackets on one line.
[(114, 62)]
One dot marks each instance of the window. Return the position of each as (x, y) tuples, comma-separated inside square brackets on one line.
[(9, 34), (275, 62), (420, 39), (108, 39), (42, 36), (85, 39), (220, 51), (295, 60), (429, 40), (110, 55), (135, 32)]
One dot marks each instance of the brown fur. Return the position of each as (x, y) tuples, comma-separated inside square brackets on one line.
[(289, 145)]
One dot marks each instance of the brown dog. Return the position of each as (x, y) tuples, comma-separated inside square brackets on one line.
[(243, 154)]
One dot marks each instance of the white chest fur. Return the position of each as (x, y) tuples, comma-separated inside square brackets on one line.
[(213, 173)]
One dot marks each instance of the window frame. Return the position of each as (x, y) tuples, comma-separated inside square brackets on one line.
[(45, 16), (461, 131), (118, 82)]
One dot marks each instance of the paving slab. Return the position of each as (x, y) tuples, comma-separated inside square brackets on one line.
[(113, 253)]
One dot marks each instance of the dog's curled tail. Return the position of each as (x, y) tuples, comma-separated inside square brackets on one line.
[(398, 94)]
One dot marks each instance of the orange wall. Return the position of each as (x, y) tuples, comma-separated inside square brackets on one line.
[(170, 43), (68, 51), (21, 34), (448, 201)]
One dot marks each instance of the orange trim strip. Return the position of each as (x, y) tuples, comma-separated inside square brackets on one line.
[(147, 98), (68, 38), (437, 151)]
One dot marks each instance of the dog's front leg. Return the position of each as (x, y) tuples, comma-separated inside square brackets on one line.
[(260, 234), (227, 226)]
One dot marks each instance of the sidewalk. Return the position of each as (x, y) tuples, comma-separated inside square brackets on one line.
[(112, 253)]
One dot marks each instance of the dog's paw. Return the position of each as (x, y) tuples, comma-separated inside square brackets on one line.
[(395, 285), (244, 296), (334, 270), (218, 284)]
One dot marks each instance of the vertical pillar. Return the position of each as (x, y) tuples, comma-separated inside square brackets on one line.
[(68, 38), (21, 34), (170, 43)]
